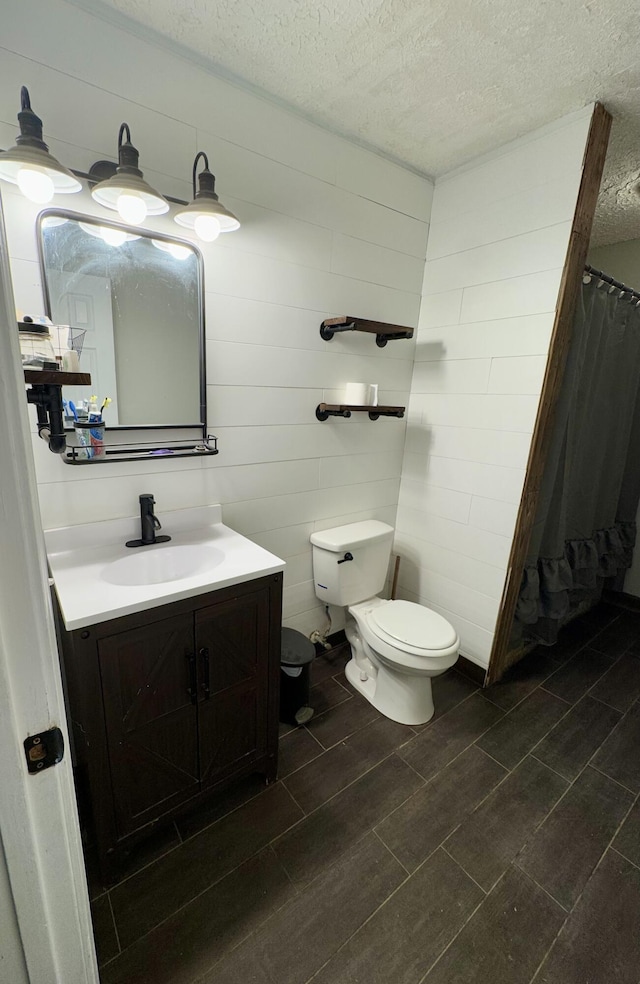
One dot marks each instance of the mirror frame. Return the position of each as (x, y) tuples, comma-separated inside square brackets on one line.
[(201, 427)]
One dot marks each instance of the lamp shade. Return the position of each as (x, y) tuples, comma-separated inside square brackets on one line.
[(127, 192), (206, 209), (30, 165)]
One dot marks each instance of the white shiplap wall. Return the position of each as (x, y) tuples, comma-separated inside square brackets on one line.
[(328, 228), (497, 243)]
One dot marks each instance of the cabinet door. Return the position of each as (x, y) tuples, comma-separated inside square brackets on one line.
[(149, 693), (232, 640)]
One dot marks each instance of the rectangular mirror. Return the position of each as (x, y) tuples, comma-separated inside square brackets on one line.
[(134, 303)]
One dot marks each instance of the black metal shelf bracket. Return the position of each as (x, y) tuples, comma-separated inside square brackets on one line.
[(326, 410), (381, 340), (323, 414), (327, 333), (48, 403)]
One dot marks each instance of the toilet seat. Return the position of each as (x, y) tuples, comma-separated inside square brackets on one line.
[(409, 626), (381, 622)]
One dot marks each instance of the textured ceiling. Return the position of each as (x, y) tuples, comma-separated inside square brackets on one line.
[(430, 83)]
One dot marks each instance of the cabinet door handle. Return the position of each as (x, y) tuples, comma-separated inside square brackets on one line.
[(206, 685), (192, 689)]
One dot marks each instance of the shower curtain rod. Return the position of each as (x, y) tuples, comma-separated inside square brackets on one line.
[(609, 280)]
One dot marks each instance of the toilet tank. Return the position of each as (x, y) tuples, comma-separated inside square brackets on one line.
[(354, 580)]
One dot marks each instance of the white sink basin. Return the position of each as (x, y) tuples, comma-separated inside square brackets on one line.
[(157, 564), (97, 578)]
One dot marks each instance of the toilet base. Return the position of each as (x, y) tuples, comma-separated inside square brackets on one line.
[(401, 698)]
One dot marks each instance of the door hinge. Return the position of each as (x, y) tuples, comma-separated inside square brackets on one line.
[(44, 750)]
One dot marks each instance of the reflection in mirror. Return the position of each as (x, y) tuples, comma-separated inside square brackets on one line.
[(134, 303)]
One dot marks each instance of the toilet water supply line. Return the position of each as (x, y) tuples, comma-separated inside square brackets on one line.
[(321, 637)]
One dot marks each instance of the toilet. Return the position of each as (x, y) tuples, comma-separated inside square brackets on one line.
[(396, 646)]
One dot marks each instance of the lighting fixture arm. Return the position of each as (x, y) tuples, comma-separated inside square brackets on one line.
[(205, 209), (30, 123), (128, 156), (203, 174), (30, 165), (127, 192)]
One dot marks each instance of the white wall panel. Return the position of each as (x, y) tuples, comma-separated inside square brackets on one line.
[(451, 376), (536, 159), (517, 375), (543, 249), (260, 406), (497, 243), (476, 478), (490, 411), (533, 293), (346, 469), (434, 501), (468, 603), (528, 335), (448, 563), (491, 221), (493, 515), (492, 447), (366, 261), (443, 309), (372, 177), (327, 229)]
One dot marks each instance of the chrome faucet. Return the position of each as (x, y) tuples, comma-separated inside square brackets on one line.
[(149, 523)]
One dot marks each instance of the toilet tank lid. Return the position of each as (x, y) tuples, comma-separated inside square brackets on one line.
[(344, 537)]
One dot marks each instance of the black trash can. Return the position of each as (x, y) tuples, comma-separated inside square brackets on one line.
[(296, 656)]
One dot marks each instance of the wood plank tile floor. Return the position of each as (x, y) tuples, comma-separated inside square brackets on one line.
[(500, 844)]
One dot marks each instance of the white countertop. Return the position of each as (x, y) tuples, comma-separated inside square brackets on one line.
[(79, 555)]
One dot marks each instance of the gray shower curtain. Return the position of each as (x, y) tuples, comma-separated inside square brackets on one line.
[(585, 526)]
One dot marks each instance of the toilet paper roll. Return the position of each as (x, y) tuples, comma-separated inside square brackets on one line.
[(356, 394)]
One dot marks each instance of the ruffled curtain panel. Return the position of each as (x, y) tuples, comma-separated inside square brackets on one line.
[(585, 528)]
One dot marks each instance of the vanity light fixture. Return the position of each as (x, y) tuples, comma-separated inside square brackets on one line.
[(109, 234), (30, 165), (126, 192), (177, 250), (206, 215)]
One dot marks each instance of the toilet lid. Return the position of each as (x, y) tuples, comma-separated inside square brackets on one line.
[(414, 625)]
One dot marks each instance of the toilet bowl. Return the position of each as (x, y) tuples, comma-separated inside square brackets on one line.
[(397, 646)]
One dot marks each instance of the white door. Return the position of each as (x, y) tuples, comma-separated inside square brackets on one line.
[(46, 931), (88, 307)]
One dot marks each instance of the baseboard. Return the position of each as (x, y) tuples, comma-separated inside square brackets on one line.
[(336, 641), (472, 670), (622, 600)]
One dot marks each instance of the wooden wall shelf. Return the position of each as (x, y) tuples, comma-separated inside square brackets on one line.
[(384, 332), (326, 410), (51, 377)]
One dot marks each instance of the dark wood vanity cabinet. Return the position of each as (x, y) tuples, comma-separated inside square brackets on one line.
[(172, 704)]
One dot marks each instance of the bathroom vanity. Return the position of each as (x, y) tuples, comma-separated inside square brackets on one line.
[(177, 697)]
